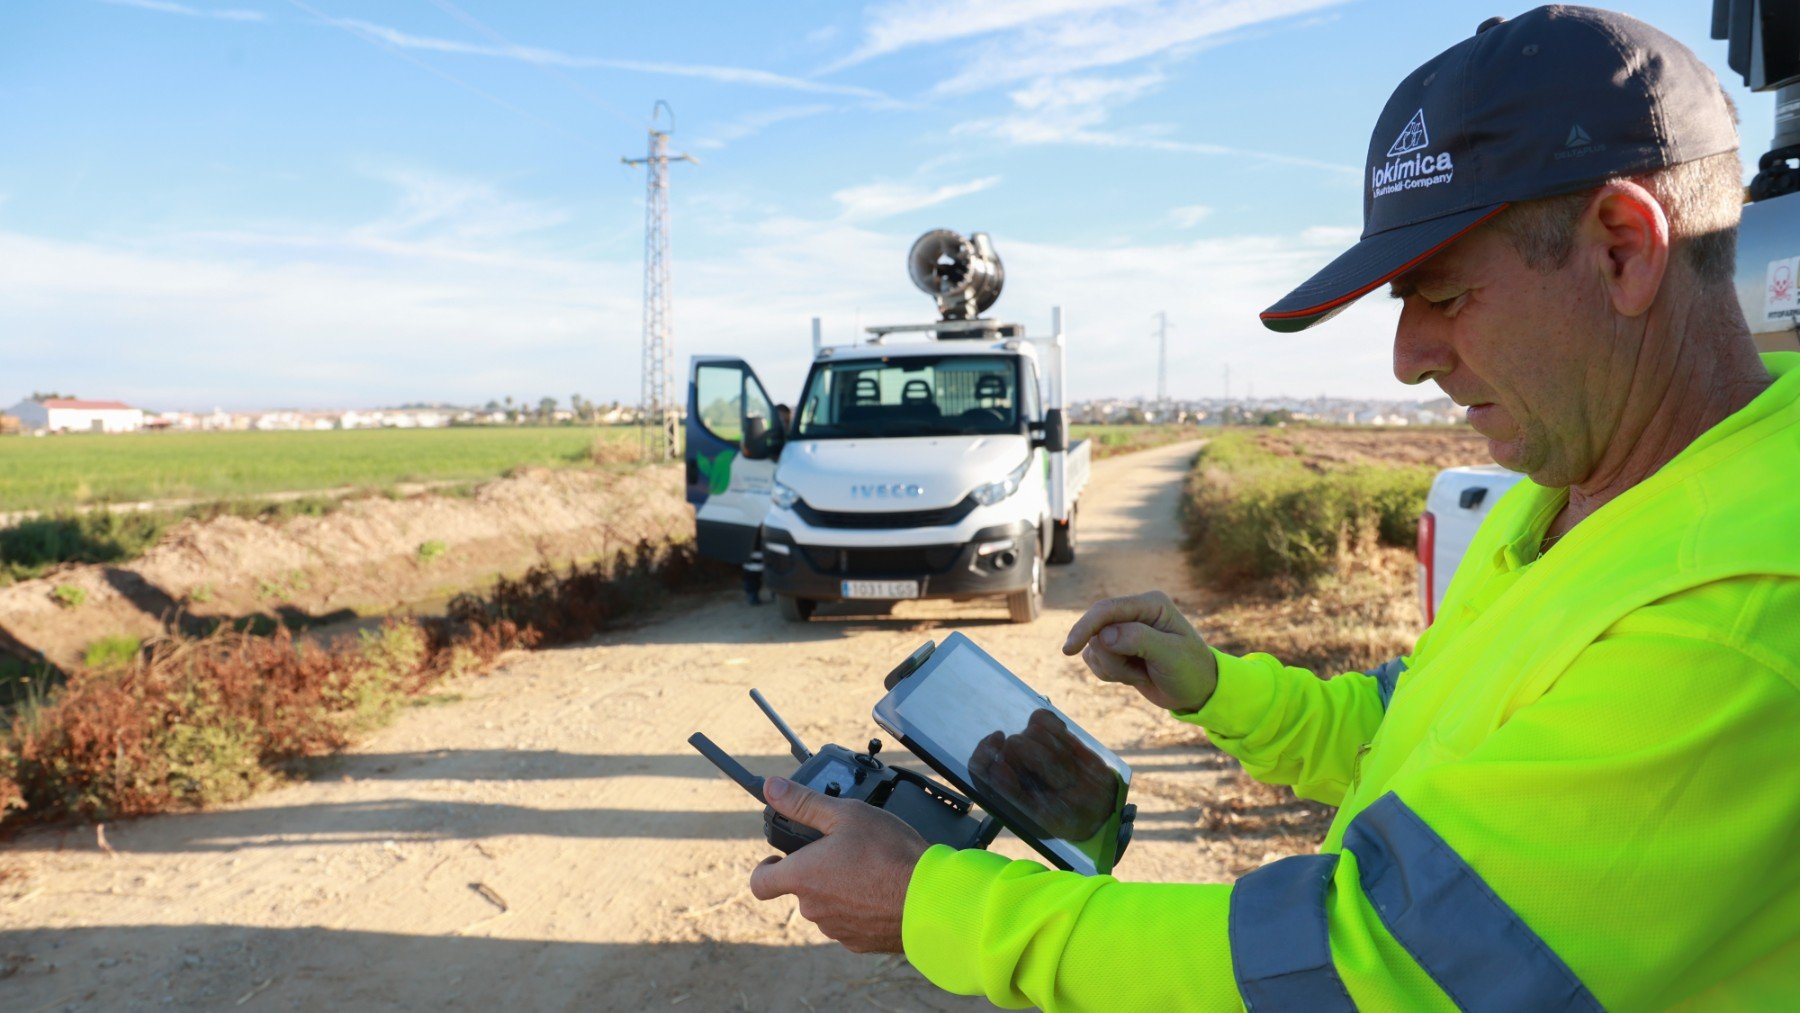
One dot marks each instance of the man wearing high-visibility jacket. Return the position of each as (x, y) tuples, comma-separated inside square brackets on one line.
[(1580, 790)]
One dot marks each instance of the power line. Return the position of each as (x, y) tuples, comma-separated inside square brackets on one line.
[(658, 416)]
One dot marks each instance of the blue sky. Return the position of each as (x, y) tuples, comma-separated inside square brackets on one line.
[(319, 203)]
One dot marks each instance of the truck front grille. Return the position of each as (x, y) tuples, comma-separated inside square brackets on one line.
[(938, 518), (910, 561)]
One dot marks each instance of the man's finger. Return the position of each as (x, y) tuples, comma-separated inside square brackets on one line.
[(773, 878), (1110, 667), (803, 805), (1140, 641), (1138, 608)]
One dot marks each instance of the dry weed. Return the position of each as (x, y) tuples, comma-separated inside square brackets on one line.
[(199, 721), (572, 605), (195, 721)]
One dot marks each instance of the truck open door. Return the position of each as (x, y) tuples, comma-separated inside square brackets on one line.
[(730, 466)]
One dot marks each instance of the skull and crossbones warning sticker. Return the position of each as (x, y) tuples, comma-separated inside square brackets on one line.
[(1781, 298)]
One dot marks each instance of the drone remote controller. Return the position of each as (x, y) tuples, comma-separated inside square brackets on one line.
[(940, 815)]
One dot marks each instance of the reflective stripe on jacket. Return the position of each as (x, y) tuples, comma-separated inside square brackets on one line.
[(1578, 792)]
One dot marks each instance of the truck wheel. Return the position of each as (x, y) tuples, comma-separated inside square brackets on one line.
[(1062, 541), (795, 610), (1027, 604)]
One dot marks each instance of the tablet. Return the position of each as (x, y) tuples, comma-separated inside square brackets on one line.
[(1007, 747)]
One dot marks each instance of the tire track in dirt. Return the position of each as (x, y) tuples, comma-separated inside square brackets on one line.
[(549, 840)]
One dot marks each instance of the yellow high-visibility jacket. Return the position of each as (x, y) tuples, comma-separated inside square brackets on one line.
[(1581, 791)]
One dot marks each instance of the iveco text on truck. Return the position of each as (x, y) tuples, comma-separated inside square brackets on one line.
[(926, 461)]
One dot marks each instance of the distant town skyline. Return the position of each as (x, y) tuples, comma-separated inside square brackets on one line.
[(247, 203), (53, 415)]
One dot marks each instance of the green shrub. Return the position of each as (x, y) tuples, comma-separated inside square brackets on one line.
[(111, 652), (1252, 513), (30, 547), (389, 660), (210, 757), (69, 596), (432, 551)]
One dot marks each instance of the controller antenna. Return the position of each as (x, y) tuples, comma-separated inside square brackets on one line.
[(798, 748), (731, 768)]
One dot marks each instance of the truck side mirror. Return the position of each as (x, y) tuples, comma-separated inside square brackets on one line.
[(1052, 434)]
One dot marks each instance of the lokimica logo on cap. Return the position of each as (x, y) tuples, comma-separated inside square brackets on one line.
[(1421, 169)]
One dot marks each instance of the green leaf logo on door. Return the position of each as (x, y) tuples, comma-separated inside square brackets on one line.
[(717, 470)]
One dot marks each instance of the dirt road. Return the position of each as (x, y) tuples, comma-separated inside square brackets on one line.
[(546, 839)]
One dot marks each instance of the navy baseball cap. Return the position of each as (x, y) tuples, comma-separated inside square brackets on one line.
[(1557, 100)]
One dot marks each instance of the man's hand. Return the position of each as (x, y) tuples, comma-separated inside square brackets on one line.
[(1144, 642), (851, 883)]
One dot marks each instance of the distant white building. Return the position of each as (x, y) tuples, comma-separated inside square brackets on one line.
[(67, 415)]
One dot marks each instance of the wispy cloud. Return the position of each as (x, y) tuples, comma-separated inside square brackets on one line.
[(1003, 41), (1189, 215), (556, 58), (873, 201), (1115, 36), (166, 7), (754, 123), (894, 26), (1076, 111), (455, 209)]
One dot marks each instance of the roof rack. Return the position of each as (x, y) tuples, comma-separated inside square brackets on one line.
[(944, 330)]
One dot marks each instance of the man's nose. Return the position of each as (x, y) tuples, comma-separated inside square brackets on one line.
[(1421, 351)]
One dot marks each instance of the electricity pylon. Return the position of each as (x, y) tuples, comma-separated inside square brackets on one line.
[(659, 416)]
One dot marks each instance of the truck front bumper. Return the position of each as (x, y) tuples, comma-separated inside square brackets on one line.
[(997, 560)]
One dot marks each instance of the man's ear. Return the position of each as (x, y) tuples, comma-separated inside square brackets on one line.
[(1627, 230)]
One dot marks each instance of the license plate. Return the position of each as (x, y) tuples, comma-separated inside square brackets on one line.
[(886, 589)]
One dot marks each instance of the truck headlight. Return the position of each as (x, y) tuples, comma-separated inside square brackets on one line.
[(782, 496), (994, 492)]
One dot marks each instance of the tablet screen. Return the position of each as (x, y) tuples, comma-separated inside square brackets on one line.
[(1046, 778)]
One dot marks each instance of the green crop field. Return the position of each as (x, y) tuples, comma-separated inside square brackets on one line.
[(59, 472)]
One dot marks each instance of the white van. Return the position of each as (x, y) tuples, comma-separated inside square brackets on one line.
[(928, 461)]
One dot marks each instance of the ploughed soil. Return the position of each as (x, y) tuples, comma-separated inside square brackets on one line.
[(369, 557), (543, 837), (1384, 445)]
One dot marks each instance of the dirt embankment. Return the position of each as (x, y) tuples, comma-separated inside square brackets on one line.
[(369, 556)]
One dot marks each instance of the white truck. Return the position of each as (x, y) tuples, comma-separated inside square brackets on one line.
[(1459, 500), (925, 461)]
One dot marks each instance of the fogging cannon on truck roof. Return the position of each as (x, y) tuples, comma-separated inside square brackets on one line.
[(963, 275), (927, 460)]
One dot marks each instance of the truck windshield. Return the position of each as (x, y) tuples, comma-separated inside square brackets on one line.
[(914, 395)]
